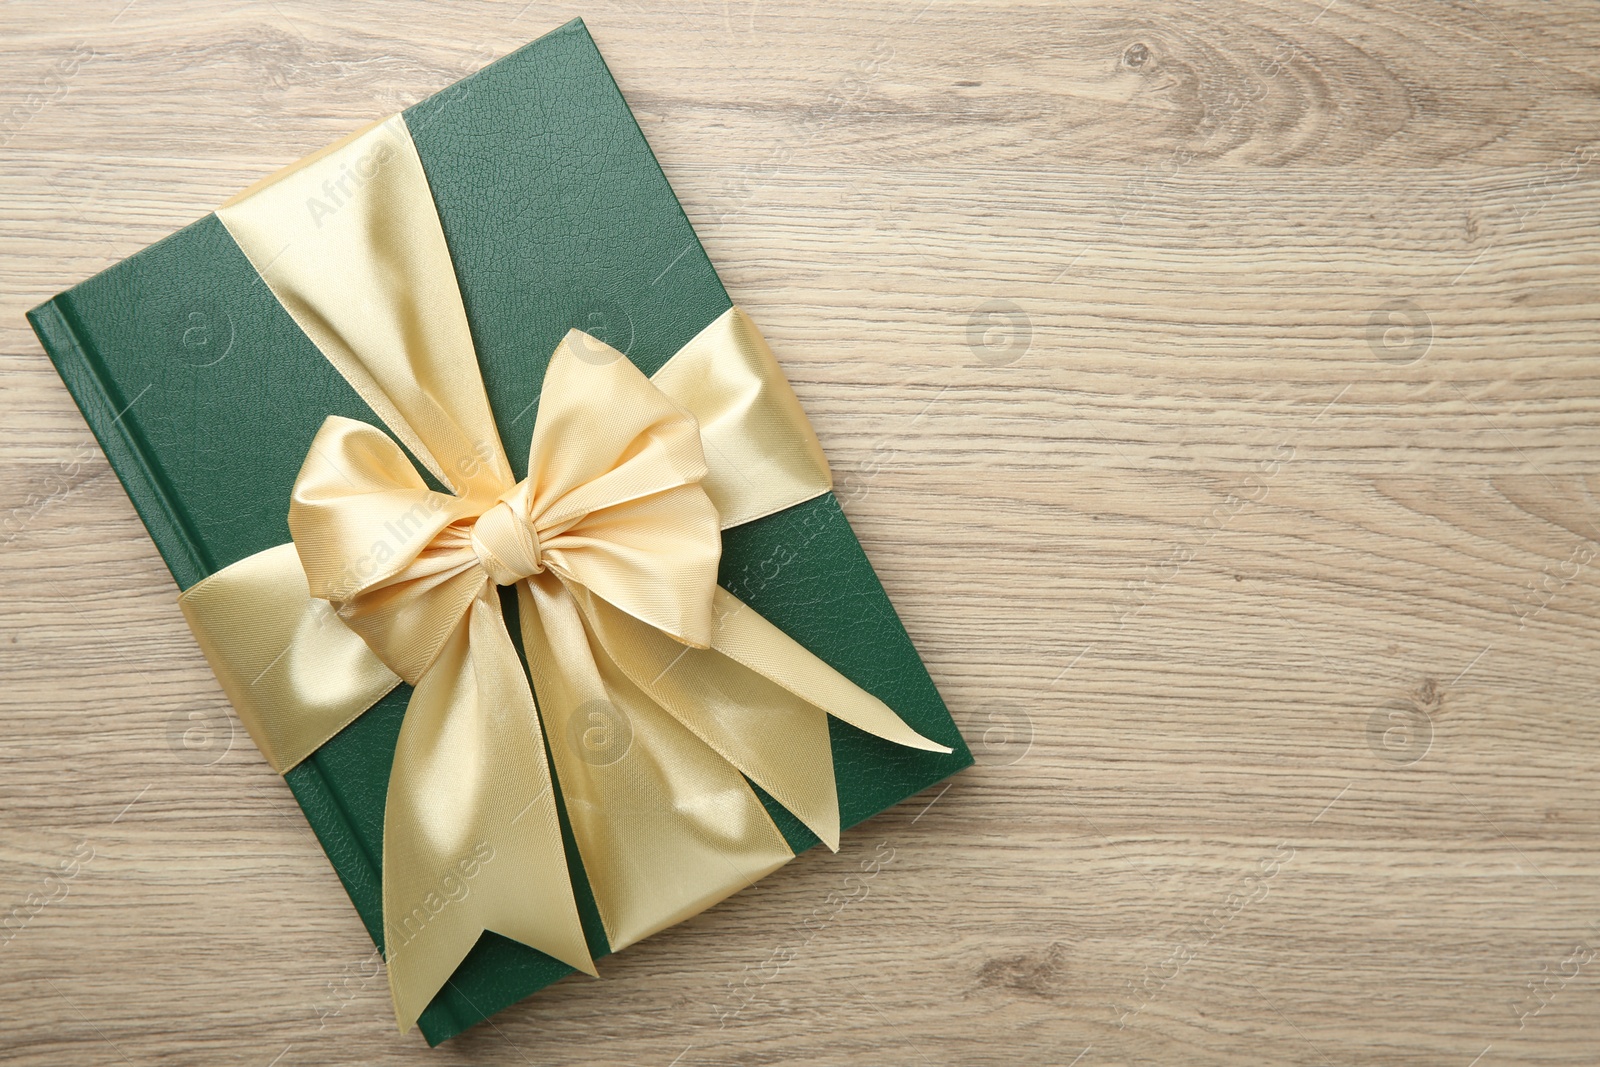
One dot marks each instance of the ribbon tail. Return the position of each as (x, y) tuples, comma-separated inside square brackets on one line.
[(665, 826), (757, 698), (744, 636), (471, 840)]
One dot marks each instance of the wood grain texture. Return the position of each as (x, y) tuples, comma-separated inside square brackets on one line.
[(1214, 387)]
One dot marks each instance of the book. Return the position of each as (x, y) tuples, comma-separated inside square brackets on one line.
[(204, 394)]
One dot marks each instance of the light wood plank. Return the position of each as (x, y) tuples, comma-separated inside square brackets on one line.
[(1214, 387)]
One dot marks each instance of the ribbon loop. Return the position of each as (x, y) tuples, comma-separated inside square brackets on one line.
[(614, 495)]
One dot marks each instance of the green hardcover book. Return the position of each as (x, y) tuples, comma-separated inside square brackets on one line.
[(204, 394)]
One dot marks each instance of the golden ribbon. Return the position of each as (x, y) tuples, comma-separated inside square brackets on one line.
[(658, 692)]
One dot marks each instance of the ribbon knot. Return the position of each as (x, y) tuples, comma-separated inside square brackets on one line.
[(507, 547)]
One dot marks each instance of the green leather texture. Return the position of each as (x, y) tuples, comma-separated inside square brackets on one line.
[(205, 395)]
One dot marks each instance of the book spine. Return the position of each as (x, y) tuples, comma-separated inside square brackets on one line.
[(108, 416), (105, 410)]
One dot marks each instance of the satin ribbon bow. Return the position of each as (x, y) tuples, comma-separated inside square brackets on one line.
[(659, 693), (613, 544)]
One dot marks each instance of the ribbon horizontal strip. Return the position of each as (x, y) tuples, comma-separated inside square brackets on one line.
[(658, 693)]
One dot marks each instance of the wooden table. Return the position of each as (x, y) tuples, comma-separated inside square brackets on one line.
[(1213, 385)]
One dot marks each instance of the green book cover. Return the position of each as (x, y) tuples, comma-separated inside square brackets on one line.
[(204, 395)]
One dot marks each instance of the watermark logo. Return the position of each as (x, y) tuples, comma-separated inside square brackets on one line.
[(999, 333), (1400, 332), (1400, 733), (600, 733), (606, 322), (1004, 736), (200, 737), (204, 333)]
